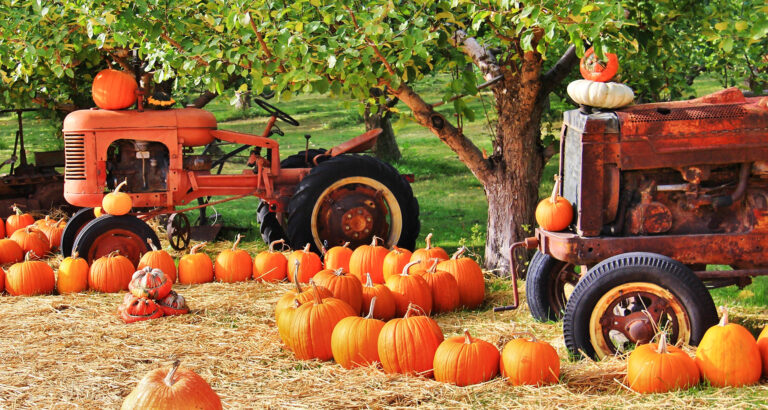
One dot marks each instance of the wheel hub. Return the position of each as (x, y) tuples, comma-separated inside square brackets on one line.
[(357, 223), (640, 330), (353, 213)]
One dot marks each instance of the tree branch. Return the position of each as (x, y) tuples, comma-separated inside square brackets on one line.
[(370, 43), (482, 58), (559, 71), (180, 49), (263, 43)]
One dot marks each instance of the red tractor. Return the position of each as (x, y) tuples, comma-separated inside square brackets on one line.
[(319, 197), (661, 192)]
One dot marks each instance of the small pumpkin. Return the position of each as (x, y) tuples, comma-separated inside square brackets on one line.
[(138, 309), (659, 368), (117, 202), (601, 95), (385, 305), (464, 360), (410, 291), (18, 220), (32, 240), (195, 267), (469, 278), (394, 261), (114, 89), (53, 231), (150, 283), (312, 326), (529, 362), (10, 251), (408, 345), (174, 388), (338, 257), (427, 253), (369, 259), (595, 70), (308, 266), (159, 259), (233, 265), (728, 355), (355, 340), (444, 288), (30, 277), (344, 286), (173, 304), (73, 274), (270, 265), (110, 273), (554, 213)]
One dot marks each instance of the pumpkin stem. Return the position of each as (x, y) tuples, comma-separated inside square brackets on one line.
[(316, 293), (408, 310), (375, 238), (339, 272), (16, 209), (29, 255), (306, 248), (169, 377), (121, 185), (152, 245), (662, 344), (272, 245), (237, 241), (459, 252), (467, 337), (428, 240), (369, 281), (555, 189), (346, 245), (113, 253), (196, 247), (74, 253), (433, 268), (296, 277), (370, 310), (408, 266), (724, 319)]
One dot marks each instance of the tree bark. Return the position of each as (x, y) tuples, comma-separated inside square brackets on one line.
[(386, 148)]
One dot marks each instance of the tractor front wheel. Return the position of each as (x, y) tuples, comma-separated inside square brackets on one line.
[(124, 233), (75, 224), (548, 284)]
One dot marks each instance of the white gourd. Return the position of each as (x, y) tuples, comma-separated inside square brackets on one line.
[(601, 95)]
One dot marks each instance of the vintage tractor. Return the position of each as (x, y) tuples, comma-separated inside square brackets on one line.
[(661, 193), (324, 199)]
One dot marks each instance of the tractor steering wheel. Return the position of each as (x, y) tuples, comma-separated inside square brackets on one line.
[(276, 112)]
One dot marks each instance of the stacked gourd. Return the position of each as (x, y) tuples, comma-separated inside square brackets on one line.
[(596, 90), (151, 297)]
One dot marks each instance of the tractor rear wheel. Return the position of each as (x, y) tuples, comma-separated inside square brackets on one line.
[(78, 220), (124, 233), (548, 284), (351, 198)]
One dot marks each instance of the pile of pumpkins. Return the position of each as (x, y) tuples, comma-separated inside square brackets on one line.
[(728, 355), (150, 297)]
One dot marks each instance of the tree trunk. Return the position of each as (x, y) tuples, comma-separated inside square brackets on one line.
[(386, 148)]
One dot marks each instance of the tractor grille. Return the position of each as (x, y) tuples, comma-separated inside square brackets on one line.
[(74, 150), (686, 113), (572, 166)]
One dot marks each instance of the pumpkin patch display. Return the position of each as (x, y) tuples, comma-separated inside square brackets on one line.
[(659, 368), (159, 259), (554, 213), (394, 261), (10, 251), (270, 265), (18, 220), (529, 362), (195, 267), (385, 302), (114, 89), (150, 283), (116, 202), (73, 274), (174, 388), (33, 240), (408, 345), (410, 292), (427, 253), (464, 360), (338, 257), (369, 259), (728, 355), (110, 273), (29, 278), (173, 304), (469, 278), (233, 265), (308, 266), (354, 340), (343, 285)]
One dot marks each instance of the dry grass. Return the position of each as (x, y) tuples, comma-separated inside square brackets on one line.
[(74, 352)]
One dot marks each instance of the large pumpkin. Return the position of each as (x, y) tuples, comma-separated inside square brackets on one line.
[(17, 220), (114, 90), (29, 278), (301, 295), (110, 273), (233, 265), (270, 265), (659, 368), (469, 277), (344, 286), (554, 213), (116, 202), (369, 259), (338, 257), (385, 302), (195, 267), (408, 345), (32, 240), (464, 360), (355, 340), (444, 288), (10, 251), (174, 388), (728, 355), (428, 253), (73, 274), (602, 95), (159, 259), (410, 290), (307, 267), (394, 261), (529, 362), (150, 283)]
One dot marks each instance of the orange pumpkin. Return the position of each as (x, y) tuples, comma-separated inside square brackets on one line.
[(110, 273), (427, 253), (728, 355), (354, 340), (464, 360), (554, 213), (307, 267), (114, 90), (173, 304), (10, 251), (529, 362), (369, 259), (73, 274), (659, 368), (385, 305), (97, 211), (195, 267), (595, 70), (394, 261), (53, 231), (116, 202), (285, 319), (233, 265), (312, 326), (469, 278), (299, 294), (136, 309), (445, 290), (338, 257), (410, 291), (270, 265), (762, 345), (32, 240), (29, 278), (150, 283), (17, 221), (159, 259), (408, 345), (174, 388), (344, 286)]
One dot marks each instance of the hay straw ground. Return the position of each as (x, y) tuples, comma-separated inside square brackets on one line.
[(74, 352)]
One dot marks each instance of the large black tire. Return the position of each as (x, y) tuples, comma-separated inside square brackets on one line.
[(544, 286), (74, 225), (269, 226), (124, 233), (616, 275), (353, 176)]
